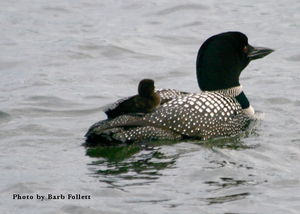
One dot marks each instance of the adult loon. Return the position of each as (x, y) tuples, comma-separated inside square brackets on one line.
[(221, 109), (145, 102)]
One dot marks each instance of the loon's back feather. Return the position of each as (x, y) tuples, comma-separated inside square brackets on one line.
[(198, 116)]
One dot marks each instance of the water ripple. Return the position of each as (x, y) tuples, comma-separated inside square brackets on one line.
[(184, 7)]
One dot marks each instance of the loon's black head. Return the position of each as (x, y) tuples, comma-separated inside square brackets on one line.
[(146, 87), (222, 58)]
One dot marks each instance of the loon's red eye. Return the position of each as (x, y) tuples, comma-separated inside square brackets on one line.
[(245, 49)]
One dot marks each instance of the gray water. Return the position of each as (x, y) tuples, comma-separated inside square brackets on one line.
[(62, 62)]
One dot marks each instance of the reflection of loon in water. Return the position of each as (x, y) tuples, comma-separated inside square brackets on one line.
[(221, 109), (145, 102)]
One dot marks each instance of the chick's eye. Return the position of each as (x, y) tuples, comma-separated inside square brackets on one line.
[(245, 49)]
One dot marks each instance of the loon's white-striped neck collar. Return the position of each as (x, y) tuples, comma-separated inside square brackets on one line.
[(238, 94), (232, 92)]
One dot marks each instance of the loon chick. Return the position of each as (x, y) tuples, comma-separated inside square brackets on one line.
[(221, 109), (146, 101)]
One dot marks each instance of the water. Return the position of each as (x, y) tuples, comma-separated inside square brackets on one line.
[(62, 62)]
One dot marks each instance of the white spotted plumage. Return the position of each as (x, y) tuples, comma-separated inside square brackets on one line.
[(197, 115)]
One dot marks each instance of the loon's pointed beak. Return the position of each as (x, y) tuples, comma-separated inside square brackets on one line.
[(258, 52)]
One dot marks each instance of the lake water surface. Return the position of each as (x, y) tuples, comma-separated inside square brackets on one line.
[(62, 62)]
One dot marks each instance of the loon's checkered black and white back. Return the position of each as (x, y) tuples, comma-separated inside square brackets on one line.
[(221, 109), (198, 116)]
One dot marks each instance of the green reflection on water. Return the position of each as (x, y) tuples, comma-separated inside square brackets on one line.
[(131, 162), (113, 154)]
